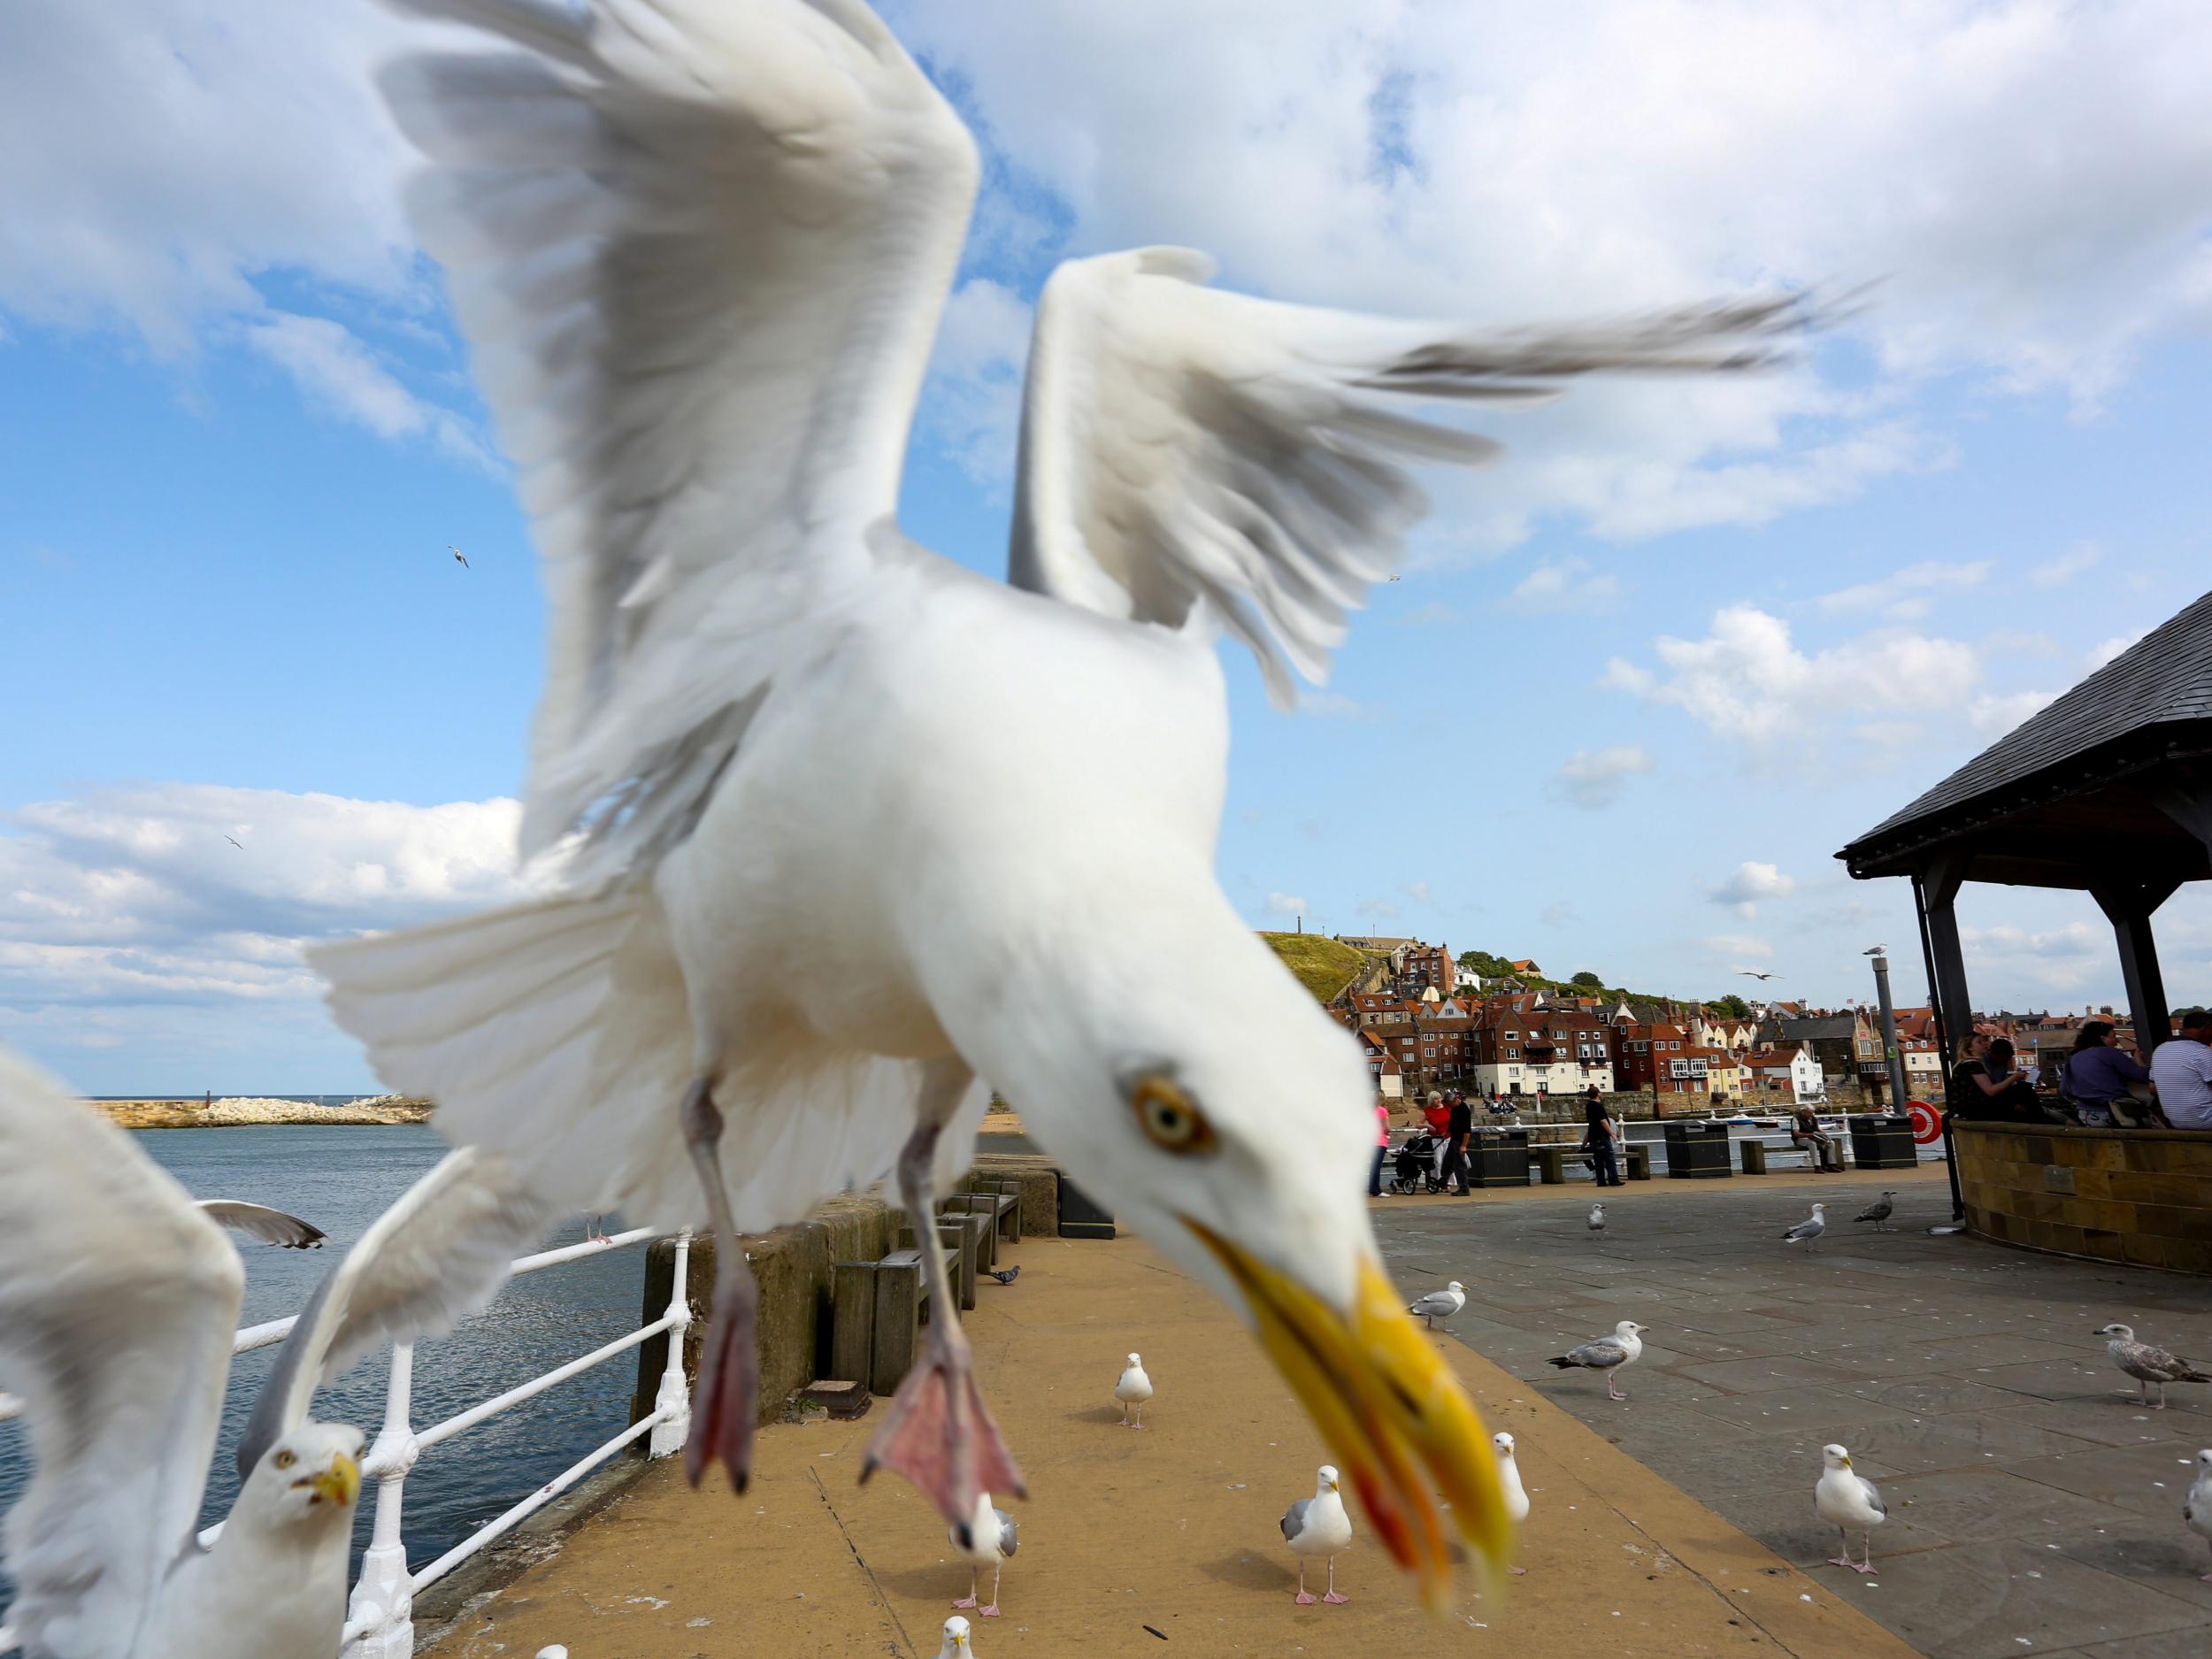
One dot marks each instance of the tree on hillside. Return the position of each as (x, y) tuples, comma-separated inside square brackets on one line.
[(1732, 1005), (1588, 979)]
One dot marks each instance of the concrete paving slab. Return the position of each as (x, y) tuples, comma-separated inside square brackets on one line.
[(2151, 1478), (1960, 1442)]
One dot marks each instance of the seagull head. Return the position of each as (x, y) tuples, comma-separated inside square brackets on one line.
[(956, 1639), (1835, 1458), (1504, 1444), (1325, 1480), (1214, 1108), (310, 1477), (1820, 1209), (1629, 1327), (2125, 1332), (1135, 1364), (1457, 1285)]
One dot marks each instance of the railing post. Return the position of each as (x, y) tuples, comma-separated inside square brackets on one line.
[(671, 1406), (379, 1618)]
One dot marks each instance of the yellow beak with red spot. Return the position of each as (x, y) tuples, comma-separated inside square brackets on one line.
[(1388, 1409), (340, 1483)]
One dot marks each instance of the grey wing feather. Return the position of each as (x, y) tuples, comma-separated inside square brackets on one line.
[(2161, 1365), (1805, 1229), (1295, 1518), (1873, 1496), (1601, 1355), (1875, 1212), (270, 1226), (1009, 1533)]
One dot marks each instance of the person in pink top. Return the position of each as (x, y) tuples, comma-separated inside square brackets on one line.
[(1382, 1147)]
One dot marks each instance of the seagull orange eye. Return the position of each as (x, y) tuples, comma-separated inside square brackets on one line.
[(285, 1460), (1169, 1120)]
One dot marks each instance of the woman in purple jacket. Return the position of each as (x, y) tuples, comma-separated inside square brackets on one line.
[(2098, 1074)]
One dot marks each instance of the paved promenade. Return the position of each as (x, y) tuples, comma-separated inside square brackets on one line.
[(1174, 1528), (2034, 1507)]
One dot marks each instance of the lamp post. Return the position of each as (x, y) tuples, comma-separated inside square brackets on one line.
[(1891, 1054)]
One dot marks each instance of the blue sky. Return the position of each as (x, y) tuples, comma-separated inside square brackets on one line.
[(1636, 685)]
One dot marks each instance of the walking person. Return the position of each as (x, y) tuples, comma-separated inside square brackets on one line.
[(1382, 1147), (1458, 1127), (1601, 1139)]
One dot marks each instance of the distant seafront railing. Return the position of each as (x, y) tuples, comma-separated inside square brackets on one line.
[(379, 1616)]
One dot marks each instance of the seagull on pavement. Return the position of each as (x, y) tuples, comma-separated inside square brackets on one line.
[(118, 1302), (700, 249), (1319, 1525), (1132, 1388), (1440, 1304), (1509, 1478), (1597, 1217), (1808, 1232), (1879, 1212), (1608, 1353), (2147, 1364), (2196, 1508), (1844, 1500), (955, 1643), (988, 1540)]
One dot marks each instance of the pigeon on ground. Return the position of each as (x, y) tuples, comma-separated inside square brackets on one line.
[(1318, 1526), (1133, 1390), (1845, 1499), (1608, 1353), (1808, 1232), (1597, 1217), (2196, 1508), (1004, 1275), (1509, 1479), (988, 1540), (2147, 1364), (955, 1643), (1879, 1212), (1440, 1304)]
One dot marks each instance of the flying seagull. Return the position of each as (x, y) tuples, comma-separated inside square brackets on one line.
[(1753, 973), (460, 558), (1879, 1212), (1846, 1499), (234, 841), (2147, 1364), (1608, 1353), (119, 1301), (270, 1226), (702, 256)]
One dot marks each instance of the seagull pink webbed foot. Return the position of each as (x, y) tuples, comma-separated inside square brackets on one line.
[(940, 1435)]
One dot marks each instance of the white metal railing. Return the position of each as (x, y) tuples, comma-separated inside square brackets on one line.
[(379, 1616)]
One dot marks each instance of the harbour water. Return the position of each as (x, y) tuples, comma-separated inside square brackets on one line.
[(340, 1179)]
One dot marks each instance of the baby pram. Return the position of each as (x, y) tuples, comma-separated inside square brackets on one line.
[(1414, 1169)]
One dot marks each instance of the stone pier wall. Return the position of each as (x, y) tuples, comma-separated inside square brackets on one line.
[(2142, 1196)]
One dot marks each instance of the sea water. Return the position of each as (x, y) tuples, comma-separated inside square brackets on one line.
[(341, 1178)]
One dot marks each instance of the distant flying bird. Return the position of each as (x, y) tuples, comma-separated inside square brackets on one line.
[(2147, 1364), (1393, 579), (234, 841), (703, 263), (1608, 1353), (1753, 973), (458, 554)]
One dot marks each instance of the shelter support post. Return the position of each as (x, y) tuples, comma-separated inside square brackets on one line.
[(2129, 907), (1935, 892)]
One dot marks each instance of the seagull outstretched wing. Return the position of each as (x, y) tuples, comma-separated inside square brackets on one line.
[(699, 248)]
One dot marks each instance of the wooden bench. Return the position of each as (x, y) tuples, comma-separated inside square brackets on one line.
[(1636, 1161), (1003, 1211), (1759, 1152), (876, 1315), (1006, 1187)]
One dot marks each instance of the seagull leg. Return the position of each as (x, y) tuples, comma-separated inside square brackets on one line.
[(938, 1433), (1844, 1560), (975, 1578), (1612, 1392), (1866, 1548), (728, 1402), (1304, 1599), (1333, 1598), (1124, 1414), (1139, 1422), (991, 1611)]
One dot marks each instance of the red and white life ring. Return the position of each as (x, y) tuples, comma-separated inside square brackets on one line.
[(1927, 1122)]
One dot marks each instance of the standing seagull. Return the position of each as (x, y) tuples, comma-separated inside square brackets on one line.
[(1879, 1212), (118, 1302), (2196, 1508), (701, 249), (1440, 1304), (1597, 1217), (988, 1540), (1319, 1525), (1608, 1353), (1509, 1477), (1133, 1388), (1808, 1232), (1845, 1499), (2147, 1364)]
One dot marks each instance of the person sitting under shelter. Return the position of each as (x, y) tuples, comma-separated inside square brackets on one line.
[(2181, 1071), (2098, 1074), (1985, 1086)]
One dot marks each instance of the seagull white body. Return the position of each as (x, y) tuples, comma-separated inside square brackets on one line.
[(1319, 1525), (1132, 1388), (1608, 1353), (1849, 1503), (1440, 1304), (989, 1539), (955, 1643), (2196, 1508), (836, 827), (1808, 1232), (1597, 1217), (2149, 1365), (119, 1301), (1517, 1504)]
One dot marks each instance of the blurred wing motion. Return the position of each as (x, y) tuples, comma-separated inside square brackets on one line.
[(1185, 446), (699, 248), (118, 1302), (270, 1226), (439, 1254)]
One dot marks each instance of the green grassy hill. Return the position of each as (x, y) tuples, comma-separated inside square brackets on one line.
[(1322, 966)]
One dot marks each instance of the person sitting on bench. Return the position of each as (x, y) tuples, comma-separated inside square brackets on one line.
[(1807, 1135)]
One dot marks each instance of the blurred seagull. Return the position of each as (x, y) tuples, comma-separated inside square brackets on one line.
[(701, 249), (2147, 1364), (461, 558), (1808, 1232), (270, 1226), (1517, 1504), (1846, 1499), (234, 841), (1608, 1353), (1597, 1217), (1753, 973), (119, 1301), (2196, 1508)]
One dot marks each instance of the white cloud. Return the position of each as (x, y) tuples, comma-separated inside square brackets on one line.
[(972, 408), (1285, 905), (1434, 614), (1750, 884), (121, 901), (2112, 648), (336, 371), (1740, 947), (1993, 715), (1418, 891), (1591, 778), (1906, 595), (1564, 586), (2076, 561)]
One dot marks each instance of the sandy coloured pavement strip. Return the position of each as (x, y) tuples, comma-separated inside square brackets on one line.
[(1174, 1527)]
